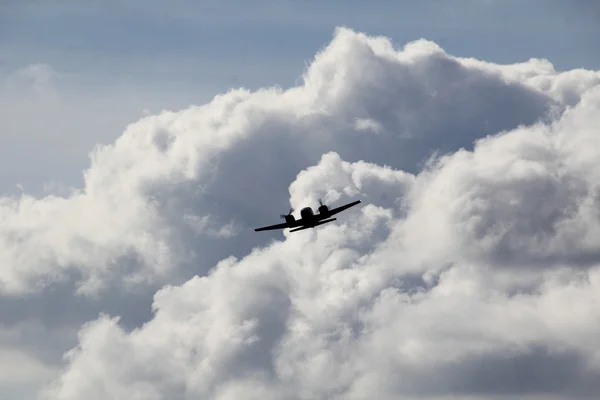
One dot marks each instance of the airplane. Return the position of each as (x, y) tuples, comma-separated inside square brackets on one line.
[(308, 218)]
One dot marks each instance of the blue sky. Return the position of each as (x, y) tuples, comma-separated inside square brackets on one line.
[(116, 59), (235, 37)]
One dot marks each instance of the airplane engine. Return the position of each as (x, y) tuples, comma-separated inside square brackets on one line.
[(289, 218), (322, 208)]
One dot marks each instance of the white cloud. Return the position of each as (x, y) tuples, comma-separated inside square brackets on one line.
[(525, 197), (198, 161), (455, 272), (363, 124)]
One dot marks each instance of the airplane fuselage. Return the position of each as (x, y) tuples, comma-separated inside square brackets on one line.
[(307, 213), (309, 218)]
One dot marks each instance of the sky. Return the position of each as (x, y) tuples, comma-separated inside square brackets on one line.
[(143, 141)]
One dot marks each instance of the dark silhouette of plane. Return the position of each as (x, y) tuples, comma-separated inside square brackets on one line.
[(308, 218)]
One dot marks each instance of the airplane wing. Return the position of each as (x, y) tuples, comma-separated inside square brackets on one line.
[(272, 227), (342, 208), (312, 226), (301, 228)]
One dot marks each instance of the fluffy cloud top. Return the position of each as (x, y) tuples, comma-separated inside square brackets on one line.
[(471, 269)]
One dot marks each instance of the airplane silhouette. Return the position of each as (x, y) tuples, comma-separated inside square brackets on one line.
[(308, 218)]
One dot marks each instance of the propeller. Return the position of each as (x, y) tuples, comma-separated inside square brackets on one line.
[(291, 211), (322, 208)]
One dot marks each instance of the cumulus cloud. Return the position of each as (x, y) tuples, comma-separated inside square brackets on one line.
[(458, 275), (137, 215)]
